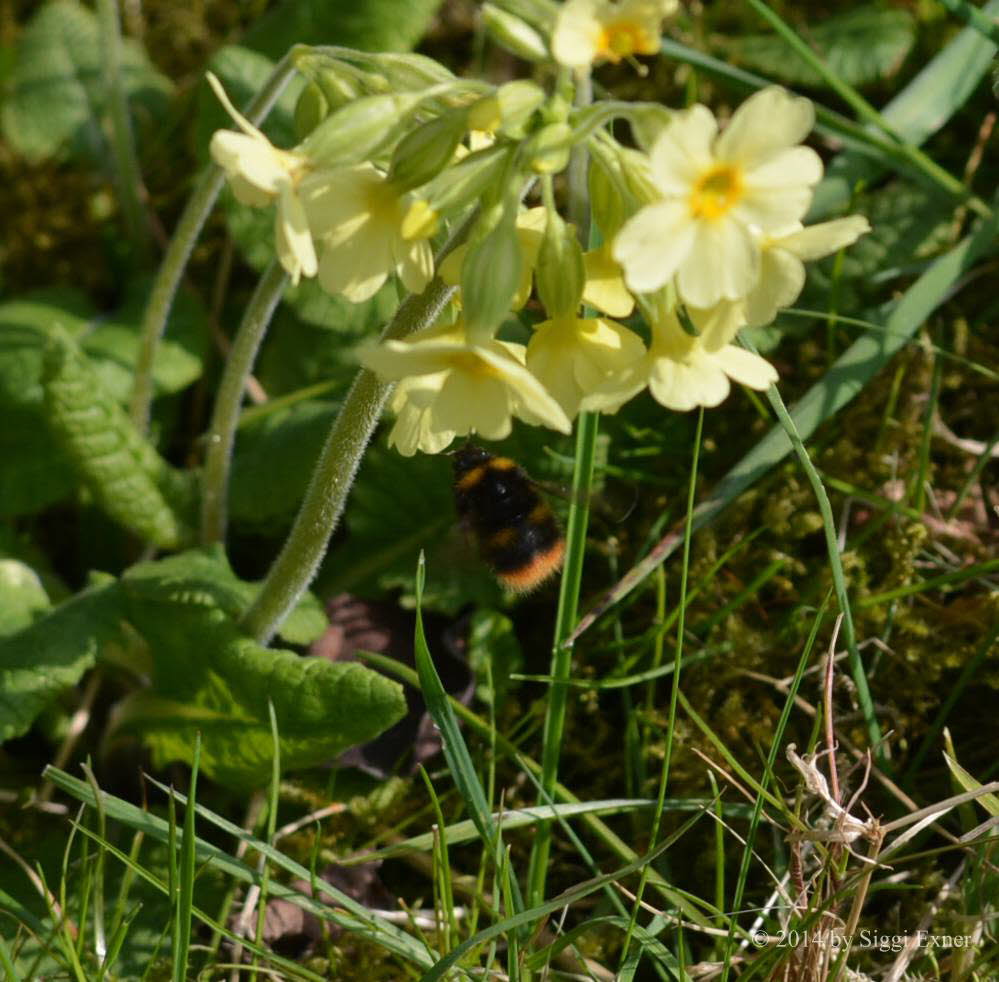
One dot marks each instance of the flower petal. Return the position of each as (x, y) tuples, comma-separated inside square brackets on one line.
[(723, 263), (745, 367), (653, 243), (293, 240), (604, 287), (782, 277), (825, 238), (765, 123)]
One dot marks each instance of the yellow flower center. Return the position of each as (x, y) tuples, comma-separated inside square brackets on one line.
[(716, 191), (621, 39)]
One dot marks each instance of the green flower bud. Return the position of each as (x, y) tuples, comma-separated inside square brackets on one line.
[(356, 131), (606, 202), (489, 279), (547, 150), (560, 274), (310, 110), (514, 34), (425, 151), (467, 180)]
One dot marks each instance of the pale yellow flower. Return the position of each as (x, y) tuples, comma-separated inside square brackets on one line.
[(604, 287), (463, 387), (357, 216), (574, 356), (720, 195), (682, 372), (413, 429), (782, 273), (259, 173), (590, 31)]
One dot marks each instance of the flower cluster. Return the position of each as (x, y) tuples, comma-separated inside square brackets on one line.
[(703, 235)]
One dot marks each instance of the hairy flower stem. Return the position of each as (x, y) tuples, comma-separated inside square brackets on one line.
[(334, 475), (587, 428), (128, 178), (196, 212), (225, 417)]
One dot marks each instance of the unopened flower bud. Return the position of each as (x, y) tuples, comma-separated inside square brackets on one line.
[(489, 279), (606, 202), (355, 131), (311, 109), (560, 274), (465, 181), (547, 150), (425, 151), (514, 34)]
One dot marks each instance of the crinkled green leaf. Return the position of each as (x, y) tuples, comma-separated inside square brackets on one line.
[(209, 678), (57, 96), (127, 477), (203, 576), (375, 25), (44, 658), (35, 469), (22, 596), (860, 46)]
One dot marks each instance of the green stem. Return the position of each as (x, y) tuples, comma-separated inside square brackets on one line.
[(225, 417), (126, 161), (688, 534), (334, 474), (587, 427), (857, 671), (168, 276)]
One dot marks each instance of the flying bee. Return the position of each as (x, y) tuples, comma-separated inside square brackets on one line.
[(518, 535)]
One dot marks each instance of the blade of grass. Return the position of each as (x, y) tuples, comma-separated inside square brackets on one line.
[(587, 426), (568, 897), (839, 386), (100, 939), (361, 919), (292, 969), (184, 899)]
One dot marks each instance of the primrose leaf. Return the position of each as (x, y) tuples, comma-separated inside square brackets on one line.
[(376, 25), (204, 576), (860, 46), (22, 596), (209, 678), (51, 654), (127, 477), (57, 95)]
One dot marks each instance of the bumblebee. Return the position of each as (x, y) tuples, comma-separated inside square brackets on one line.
[(518, 535)]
